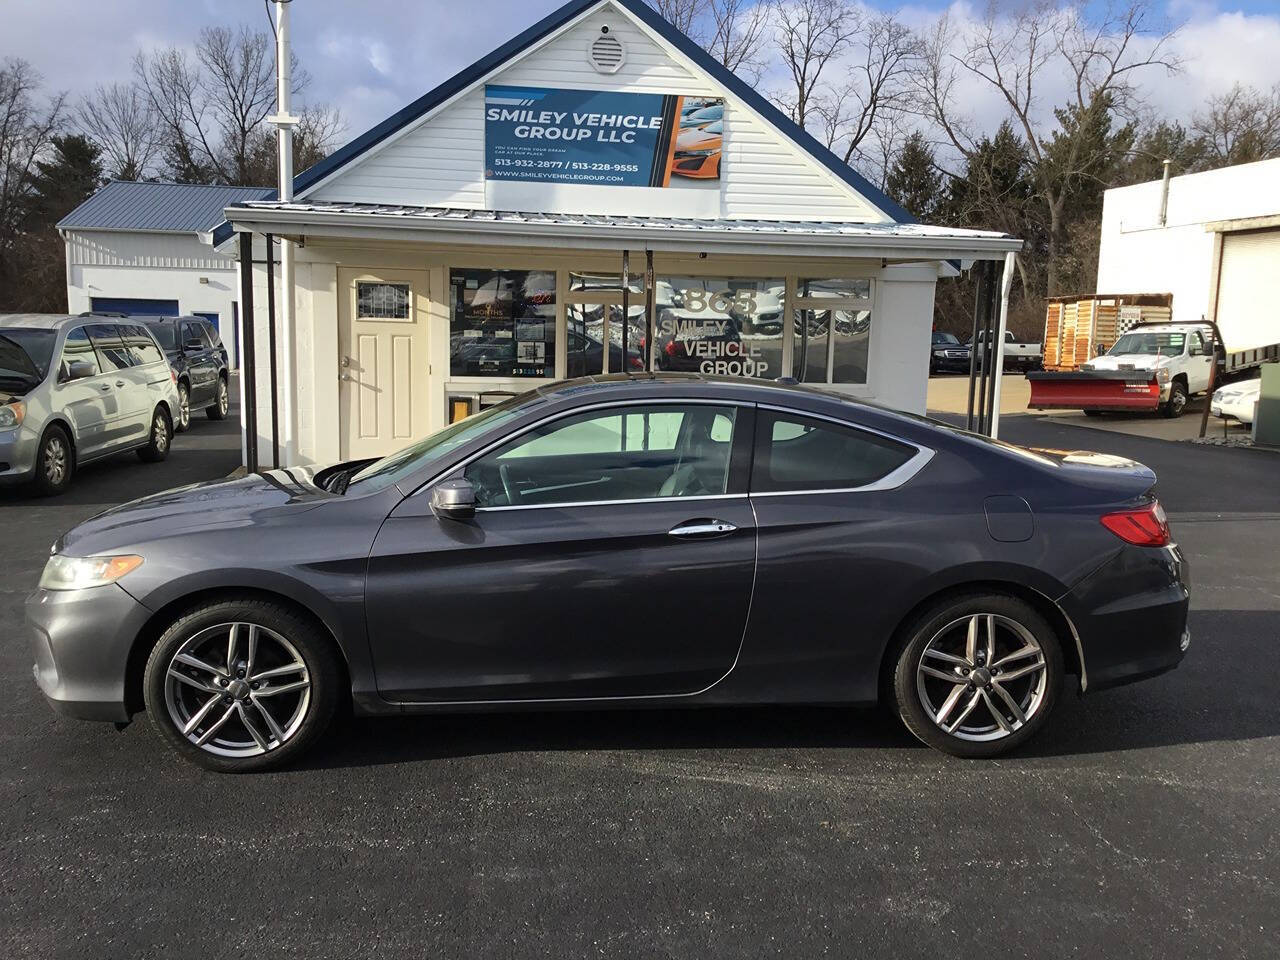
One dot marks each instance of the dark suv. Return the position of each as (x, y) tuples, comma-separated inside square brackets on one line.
[(199, 361)]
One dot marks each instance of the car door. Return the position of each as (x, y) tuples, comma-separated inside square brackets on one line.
[(90, 402), (1198, 363), (612, 554), (202, 365), (840, 531), (126, 418)]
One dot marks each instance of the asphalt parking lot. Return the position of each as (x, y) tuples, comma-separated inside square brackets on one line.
[(1144, 822)]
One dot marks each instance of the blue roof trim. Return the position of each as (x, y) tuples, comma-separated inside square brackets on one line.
[(553, 21)]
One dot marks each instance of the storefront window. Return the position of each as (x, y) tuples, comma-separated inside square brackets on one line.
[(831, 331), (726, 327), (594, 317), (503, 323)]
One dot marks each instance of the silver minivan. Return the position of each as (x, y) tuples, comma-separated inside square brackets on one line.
[(74, 389)]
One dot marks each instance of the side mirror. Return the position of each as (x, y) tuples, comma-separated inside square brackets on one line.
[(1100, 349), (454, 500), (79, 370), (1207, 350)]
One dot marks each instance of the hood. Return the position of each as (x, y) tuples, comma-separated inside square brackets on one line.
[(217, 504), (1125, 361), (1247, 388)]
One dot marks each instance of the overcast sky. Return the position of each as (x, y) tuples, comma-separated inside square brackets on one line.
[(370, 57)]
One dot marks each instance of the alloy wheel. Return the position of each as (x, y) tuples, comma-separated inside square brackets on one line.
[(237, 690), (55, 460), (982, 677), (160, 433), (184, 409), (223, 401)]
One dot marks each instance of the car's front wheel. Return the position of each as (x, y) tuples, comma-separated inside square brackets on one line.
[(55, 462), (239, 686), (978, 674)]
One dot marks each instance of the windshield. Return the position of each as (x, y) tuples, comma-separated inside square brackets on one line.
[(25, 356), (1150, 344), (397, 466), (948, 338)]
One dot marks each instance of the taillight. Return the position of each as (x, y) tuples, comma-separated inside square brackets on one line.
[(670, 348), (635, 363), (1143, 527)]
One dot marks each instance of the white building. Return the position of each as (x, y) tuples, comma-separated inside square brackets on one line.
[(1214, 244), (473, 244), (142, 248)]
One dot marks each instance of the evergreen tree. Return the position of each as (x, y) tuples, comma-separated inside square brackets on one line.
[(70, 175), (914, 180)]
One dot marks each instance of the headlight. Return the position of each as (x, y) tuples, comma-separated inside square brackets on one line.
[(76, 573), (11, 414), (696, 153), (1162, 375), (940, 353)]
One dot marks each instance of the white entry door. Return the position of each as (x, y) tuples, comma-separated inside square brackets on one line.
[(382, 344)]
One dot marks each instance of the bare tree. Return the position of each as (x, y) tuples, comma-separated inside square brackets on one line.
[(1014, 55), (1240, 126), (211, 105), (812, 35), (121, 121), (737, 36), (317, 133), (684, 15), (26, 130), (876, 89)]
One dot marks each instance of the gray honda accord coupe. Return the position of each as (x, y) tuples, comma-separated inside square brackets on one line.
[(638, 541)]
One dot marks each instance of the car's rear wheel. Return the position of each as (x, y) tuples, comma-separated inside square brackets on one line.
[(160, 438), (184, 409), (240, 686), (221, 404), (55, 462), (978, 674)]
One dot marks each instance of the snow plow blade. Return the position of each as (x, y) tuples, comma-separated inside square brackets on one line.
[(1093, 390)]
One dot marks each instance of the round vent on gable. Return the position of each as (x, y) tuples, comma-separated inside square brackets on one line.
[(606, 52)]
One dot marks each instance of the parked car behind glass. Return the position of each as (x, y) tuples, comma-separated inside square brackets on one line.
[(199, 362), (75, 389)]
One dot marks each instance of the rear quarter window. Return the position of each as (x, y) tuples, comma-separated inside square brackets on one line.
[(796, 453)]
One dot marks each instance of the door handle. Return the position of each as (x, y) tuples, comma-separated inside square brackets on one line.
[(119, 383), (104, 387), (702, 528)]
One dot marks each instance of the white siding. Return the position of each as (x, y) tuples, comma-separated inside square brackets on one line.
[(441, 161), (172, 251)]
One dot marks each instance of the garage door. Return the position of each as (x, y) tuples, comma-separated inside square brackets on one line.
[(136, 306), (1248, 312)]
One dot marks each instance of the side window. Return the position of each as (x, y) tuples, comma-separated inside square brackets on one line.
[(112, 354), (211, 334), (795, 453), (632, 453), (191, 331), (78, 347), (142, 348), (1194, 344)]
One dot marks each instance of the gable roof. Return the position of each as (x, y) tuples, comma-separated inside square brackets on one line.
[(158, 207), (550, 24)]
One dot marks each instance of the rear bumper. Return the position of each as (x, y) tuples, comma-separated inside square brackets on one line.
[(81, 640), (1131, 616)]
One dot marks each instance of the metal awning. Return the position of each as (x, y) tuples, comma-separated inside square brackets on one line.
[(897, 241)]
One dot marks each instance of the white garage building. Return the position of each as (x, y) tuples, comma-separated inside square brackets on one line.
[(474, 244), (1212, 240), (142, 248)]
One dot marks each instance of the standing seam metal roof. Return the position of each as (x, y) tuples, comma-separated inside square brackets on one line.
[(158, 207)]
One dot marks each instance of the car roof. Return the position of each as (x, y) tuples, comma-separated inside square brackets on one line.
[(1168, 327), (36, 321)]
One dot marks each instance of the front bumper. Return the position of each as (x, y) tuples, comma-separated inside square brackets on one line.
[(81, 640), (1131, 615), (18, 449)]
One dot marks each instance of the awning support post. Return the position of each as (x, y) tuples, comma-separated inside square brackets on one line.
[(650, 324), (979, 310), (1006, 284), (271, 351), (249, 416)]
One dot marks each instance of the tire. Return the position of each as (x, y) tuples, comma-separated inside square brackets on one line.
[(160, 439), (937, 636), (245, 730), (221, 403), (1093, 413), (1172, 408), (55, 462), (183, 423)]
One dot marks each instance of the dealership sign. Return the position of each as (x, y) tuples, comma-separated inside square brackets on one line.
[(598, 137)]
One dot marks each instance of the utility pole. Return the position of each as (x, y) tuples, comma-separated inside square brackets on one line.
[(285, 122)]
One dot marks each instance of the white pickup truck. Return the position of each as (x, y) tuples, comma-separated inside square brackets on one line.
[(1180, 356), (1018, 354)]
